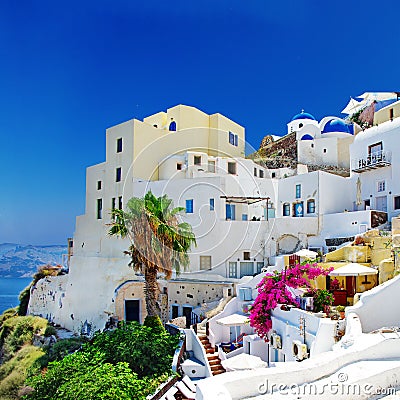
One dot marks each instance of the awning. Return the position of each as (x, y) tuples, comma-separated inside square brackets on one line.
[(353, 106), (243, 361), (243, 199), (234, 320), (353, 269), (305, 253)]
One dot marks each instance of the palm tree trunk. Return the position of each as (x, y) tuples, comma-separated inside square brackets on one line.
[(151, 292)]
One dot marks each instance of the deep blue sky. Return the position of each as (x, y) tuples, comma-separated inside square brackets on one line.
[(69, 70)]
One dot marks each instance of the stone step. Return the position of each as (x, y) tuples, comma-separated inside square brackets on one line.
[(210, 351), (201, 337), (214, 362), (212, 357), (218, 372), (217, 367)]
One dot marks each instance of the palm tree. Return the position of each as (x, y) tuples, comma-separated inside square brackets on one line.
[(160, 244)]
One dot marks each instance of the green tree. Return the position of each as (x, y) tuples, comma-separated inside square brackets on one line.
[(160, 244)]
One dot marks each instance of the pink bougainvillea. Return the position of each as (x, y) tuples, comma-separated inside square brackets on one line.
[(273, 290)]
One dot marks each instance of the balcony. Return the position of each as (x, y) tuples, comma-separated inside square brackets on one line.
[(372, 161)]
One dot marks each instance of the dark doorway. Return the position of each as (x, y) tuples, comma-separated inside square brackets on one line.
[(186, 312), (132, 310), (175, 312), (350, 285)]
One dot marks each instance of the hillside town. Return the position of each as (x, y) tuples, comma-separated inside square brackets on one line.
[(312, 216)]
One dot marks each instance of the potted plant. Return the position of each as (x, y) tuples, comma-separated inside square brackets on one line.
[(322, 298), (359, 241), (340, 310), (308, 302)]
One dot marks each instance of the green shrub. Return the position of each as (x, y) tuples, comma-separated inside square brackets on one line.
[(17, 331), (14, 371), (9, 313), (50, 331), (154, 322), (127, 363), (146, 351), (24, 297), (64, 347), (82, 376)]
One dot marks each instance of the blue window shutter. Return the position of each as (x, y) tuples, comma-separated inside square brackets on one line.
[(228, 211), (189, 206), (172, 126), (236, 140), (211, 204)]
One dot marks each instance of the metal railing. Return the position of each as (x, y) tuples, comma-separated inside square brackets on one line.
[(374, 160)]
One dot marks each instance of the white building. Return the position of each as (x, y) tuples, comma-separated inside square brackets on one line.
[(197, 160), (242, 214), (375, 161)]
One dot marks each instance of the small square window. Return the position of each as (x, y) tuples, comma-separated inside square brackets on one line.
[(381, 186), (246, 255), (232, 168), (118, 174), (324, 150), (197, 160), (205, 262), (245, 217), (113, 203), (211, 166), (179, 166), (98, 185), (396, 202), (119, 145), (189, 206), (298, 191), (255, 171), (212, 204), (261, 173), (273, 175), (120, 202)]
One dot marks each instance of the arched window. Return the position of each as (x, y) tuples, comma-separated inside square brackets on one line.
[(172, 126)]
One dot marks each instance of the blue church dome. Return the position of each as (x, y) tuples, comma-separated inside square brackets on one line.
[(337, 125), (303, 115), (307, 137)]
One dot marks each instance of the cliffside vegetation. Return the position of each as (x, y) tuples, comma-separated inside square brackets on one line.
[(17, 355), (129, 362)]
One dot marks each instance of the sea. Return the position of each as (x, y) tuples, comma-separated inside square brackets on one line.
[(10, 289)]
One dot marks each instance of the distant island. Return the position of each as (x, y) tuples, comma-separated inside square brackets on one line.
[(22, 261)]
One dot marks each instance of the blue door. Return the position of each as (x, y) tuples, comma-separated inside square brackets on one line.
[(299, 209)]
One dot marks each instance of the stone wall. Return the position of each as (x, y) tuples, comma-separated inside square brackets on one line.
[(282, 153)]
